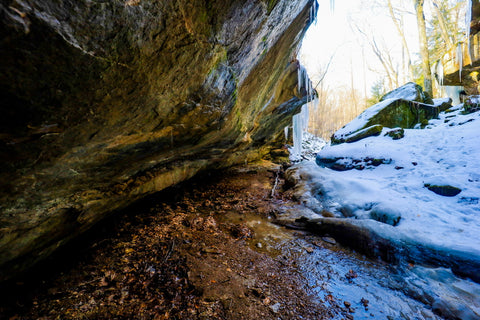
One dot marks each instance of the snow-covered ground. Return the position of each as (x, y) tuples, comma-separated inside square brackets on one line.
[(392, 199), (311, 144)]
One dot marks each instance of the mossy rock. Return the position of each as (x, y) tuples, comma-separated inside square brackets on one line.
[(404, 107), (410, 91), (396, 133), (371, 131)]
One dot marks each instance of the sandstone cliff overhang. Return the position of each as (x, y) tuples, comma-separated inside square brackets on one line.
[(106, 102)]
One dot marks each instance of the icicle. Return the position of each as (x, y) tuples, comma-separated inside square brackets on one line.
[(439, 71), (297, 135), (332, 5), (300, 125), (460, 60), (299, 79), (302, 75), (300, 121), (285, 130), (305, 117)]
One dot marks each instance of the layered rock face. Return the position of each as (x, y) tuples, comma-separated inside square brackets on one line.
[(105, 102)]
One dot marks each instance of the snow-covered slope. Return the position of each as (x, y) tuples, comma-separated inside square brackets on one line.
[(393, 199)]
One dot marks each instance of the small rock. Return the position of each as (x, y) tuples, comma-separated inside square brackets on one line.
[(398, 168), (259, 245), (329, 240), (364, 302), (327, 214), (414, 163), (276, 307), (396, 133), (347, 304), (349, 317), (351, 274), (211, 250), (309, 249)]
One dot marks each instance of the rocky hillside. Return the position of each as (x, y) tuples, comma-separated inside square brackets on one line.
[(402, 194), (106, 102)]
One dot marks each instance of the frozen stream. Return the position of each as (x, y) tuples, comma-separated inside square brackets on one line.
[(361, 288)]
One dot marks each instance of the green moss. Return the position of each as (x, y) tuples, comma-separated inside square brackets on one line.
[(270, 5), (203, 16), (221, 57)]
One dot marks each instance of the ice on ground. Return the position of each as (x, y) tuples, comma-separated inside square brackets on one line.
[(446, 152)]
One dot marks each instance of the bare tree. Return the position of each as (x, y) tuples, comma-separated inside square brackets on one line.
[(384, 57), (423, 42), (399, 26)]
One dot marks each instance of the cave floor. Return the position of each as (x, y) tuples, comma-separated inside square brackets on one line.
[(195, 251)]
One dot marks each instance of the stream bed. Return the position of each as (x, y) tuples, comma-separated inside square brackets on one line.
[(359, 287)]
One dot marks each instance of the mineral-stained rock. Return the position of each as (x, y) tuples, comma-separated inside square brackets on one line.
[(104, 102)]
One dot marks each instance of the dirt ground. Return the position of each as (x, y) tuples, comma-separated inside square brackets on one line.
[(172, 256)]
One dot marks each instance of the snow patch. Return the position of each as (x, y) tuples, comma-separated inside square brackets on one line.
[(446, 152)]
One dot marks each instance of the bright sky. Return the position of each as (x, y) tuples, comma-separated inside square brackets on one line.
[(335, 33)]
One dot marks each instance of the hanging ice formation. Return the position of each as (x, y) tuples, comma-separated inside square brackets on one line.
[(460, 60), (300, 120), (439, 72), (285, 130), (313, 12)]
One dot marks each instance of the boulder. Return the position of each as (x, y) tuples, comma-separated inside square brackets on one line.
[(404, 107), (471, 104), (444, 190), (409, 91)]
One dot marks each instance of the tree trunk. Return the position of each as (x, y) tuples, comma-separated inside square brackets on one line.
[(404, 41), (422, 37), (443, 27)]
